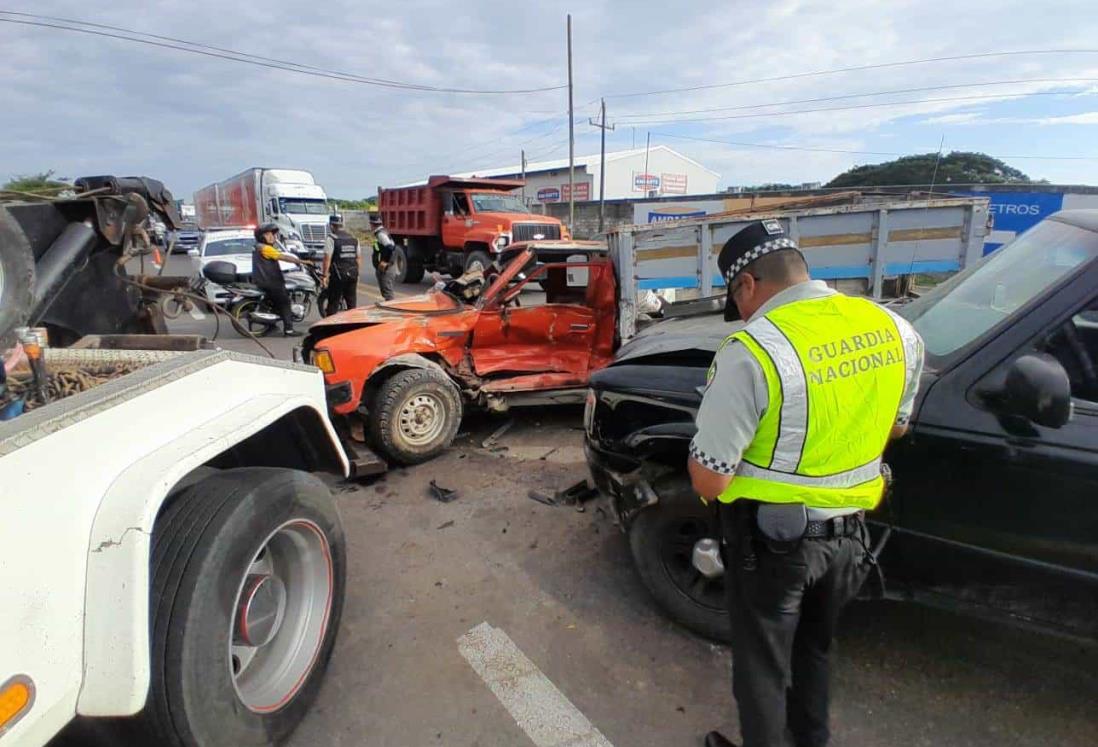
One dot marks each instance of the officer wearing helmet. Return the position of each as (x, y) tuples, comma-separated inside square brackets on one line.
[(383, 257), (800, 403), (340, 270), (267, 274)]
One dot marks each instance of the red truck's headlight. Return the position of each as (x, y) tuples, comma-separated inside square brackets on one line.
[(322, 359)]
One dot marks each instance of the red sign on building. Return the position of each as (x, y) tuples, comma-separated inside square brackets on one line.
[(583, 191), (673, 184)]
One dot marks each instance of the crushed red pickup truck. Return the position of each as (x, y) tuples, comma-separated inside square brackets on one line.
[(399, 374)]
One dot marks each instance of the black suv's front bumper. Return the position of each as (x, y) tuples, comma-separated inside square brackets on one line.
[(624, 482)]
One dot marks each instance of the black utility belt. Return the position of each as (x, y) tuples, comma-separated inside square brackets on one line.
[(837, 526), (789, 523)]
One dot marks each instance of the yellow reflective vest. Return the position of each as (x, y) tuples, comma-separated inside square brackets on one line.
[(835, 370)]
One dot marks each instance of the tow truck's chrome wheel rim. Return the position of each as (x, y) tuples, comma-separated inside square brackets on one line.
[(280, 615), (422, 419), (476, 265)]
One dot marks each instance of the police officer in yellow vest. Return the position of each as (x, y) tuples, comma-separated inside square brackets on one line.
[(799, 407)]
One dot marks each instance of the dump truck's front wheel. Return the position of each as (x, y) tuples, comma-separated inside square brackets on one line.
[(249, 571)]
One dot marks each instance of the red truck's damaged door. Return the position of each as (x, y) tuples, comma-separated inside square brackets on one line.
[(557, 338)]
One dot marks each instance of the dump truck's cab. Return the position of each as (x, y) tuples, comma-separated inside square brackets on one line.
[(456, 225), (400, 373)]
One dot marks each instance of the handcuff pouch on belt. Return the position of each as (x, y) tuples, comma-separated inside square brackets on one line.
[(782, 525)]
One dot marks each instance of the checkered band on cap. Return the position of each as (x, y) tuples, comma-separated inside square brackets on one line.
[(759, 251)]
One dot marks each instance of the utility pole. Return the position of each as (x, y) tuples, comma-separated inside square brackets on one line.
[(602, 161), (523, 152), (571, 138), (647, 142)]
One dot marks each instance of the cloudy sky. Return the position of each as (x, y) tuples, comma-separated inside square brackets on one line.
[(82, 104)]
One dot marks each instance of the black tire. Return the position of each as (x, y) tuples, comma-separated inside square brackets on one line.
[(477, 256), (399, 262), (241, 313), (414, 253), (661, 540), (203, 543), (16, 279), (389, 433)]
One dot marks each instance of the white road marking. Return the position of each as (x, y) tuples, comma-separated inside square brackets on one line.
[(534, 702)]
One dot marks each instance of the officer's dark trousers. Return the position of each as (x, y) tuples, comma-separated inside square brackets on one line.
[(385, 282), (784, 609), (280, 301), (340, 289)]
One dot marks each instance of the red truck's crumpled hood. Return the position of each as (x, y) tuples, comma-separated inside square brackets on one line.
[(433, 302)]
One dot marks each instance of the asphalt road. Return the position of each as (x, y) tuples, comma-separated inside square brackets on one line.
[(559, 584)]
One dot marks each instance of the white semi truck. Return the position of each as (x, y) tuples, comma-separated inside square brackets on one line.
[(172, 563), (289, 197)]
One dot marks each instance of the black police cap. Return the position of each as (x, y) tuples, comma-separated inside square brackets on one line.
[(748, 244)]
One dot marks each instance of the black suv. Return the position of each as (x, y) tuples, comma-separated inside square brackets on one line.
[(995, 507)]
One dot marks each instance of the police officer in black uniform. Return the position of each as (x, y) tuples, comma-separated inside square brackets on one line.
[(267, 274), (340, 266)]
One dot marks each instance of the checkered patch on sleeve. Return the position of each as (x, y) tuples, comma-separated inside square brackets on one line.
[(719, 466)]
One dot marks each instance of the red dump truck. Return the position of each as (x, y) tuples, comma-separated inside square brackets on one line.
[(453, 225)]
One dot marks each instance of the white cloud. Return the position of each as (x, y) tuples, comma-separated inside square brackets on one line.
[(84, 104)]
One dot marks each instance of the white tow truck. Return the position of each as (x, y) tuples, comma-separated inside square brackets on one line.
[(172, 566)]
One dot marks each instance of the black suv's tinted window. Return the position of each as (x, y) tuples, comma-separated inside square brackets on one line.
[(1075, 345)]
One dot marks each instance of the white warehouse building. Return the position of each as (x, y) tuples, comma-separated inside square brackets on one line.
[(669, 173)]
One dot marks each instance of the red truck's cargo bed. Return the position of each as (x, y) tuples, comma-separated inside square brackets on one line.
[(417, 210)]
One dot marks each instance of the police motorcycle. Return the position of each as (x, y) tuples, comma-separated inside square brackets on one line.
[(250, 304)]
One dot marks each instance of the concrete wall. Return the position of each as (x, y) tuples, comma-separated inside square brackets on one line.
[(618, 212)]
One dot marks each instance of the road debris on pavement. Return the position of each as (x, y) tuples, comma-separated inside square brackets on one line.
[(490, 442), (574, 495), (441, 494)]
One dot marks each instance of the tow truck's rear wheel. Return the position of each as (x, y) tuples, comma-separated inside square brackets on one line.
[(247, 591), (415, 415), (662, 540)]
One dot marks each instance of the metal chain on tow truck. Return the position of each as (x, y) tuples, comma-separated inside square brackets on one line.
[(67, 382)]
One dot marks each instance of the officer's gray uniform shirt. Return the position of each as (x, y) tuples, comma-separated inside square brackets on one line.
[(736, 396)]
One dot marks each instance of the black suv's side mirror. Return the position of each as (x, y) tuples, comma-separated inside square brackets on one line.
[(1037, 388)]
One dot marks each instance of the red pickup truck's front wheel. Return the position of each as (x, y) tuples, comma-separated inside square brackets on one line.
[(415, 415)]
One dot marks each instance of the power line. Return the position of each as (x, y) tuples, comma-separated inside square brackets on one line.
[(860, 95), (851, 152), (182, 45), (866, 106), (854, 68)]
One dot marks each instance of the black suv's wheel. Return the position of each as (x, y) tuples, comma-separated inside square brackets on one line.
[(662, 540), (415, 415), (248, 577), (16, 279)]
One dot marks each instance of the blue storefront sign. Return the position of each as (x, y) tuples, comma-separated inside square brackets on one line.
[(655, 216), (1014, 212)]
